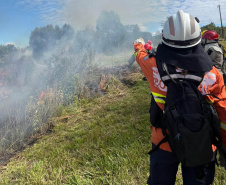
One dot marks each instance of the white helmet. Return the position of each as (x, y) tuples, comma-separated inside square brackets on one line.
[(181, 31)]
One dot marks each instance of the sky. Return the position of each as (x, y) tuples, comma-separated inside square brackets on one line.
[(19, 17)]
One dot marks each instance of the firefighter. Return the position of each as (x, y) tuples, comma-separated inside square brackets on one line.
[(210, 42), (180, 47)]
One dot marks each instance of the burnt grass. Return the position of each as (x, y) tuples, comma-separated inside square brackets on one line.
[(95, 87)]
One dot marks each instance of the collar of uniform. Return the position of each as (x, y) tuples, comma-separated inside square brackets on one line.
[(215, 46), (192, 59)]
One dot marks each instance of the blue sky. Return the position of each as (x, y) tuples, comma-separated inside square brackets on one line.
[(16, 22), (19, 17)]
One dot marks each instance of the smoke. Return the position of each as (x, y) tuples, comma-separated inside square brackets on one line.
[(61, 64), (80, 17), (81, 13), (149, 14)]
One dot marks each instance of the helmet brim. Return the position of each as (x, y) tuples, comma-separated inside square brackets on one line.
[(182, 44)]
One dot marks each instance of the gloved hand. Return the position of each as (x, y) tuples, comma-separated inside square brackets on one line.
[(140, 40)]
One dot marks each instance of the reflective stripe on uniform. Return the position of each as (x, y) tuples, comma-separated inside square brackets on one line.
[(159, 97), (159, 100), (175, 76), (223, 125), (211, 102), (135, 54)]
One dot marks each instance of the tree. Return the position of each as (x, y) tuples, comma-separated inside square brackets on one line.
[(110, 31), (67, 32), (132, 32), (212, 26), (41, 38), (85, 38), (45, 38), (5, 52)]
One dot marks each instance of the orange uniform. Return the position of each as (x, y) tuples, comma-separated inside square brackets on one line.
[(212, 84)]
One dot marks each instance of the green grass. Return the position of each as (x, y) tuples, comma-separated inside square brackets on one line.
[(104, 142), (223, 43)]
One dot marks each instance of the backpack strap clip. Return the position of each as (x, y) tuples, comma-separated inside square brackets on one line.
[(174, 112)]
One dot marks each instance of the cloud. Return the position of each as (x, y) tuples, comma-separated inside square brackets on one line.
[(9, 43), (81, 13), (207, 11), (46, 10)]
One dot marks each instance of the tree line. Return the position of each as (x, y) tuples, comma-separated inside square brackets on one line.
[(218, 29), (109, 36)]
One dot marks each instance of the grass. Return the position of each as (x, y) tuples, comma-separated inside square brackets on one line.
[(223, 43), (104, 142)]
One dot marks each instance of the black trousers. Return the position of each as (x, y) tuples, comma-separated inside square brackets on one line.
[(164, 167)]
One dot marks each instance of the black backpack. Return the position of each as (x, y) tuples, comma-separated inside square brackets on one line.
[(189, 123)]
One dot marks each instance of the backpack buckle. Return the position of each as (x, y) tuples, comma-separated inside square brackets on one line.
[(174, 112), (177, 137), (184, 72)]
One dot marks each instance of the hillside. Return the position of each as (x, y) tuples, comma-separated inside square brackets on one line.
[(99, 140)]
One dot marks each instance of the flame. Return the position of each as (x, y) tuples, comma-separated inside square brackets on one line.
[(41, 95)]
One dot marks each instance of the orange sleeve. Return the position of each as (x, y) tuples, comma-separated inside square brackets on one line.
[(218, 89), (221, 106), (144, 61), (140, 53), (149, 69)]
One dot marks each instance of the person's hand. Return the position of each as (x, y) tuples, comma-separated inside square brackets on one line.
[(140, 40)]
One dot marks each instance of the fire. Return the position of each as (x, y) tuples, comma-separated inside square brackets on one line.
[(41, 95)]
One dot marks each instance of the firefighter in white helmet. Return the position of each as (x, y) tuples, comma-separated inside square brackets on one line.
[(181, 47)]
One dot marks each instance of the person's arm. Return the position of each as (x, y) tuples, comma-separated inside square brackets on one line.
[(140, 52), (146, 64), (212, 54), (220, 106), (217, 58), (213, 84)]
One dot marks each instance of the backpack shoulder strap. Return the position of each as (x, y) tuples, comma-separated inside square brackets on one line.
[(165, 139), (172, 73)]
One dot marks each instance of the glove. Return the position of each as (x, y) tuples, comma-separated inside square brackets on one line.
[(140, 40)]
